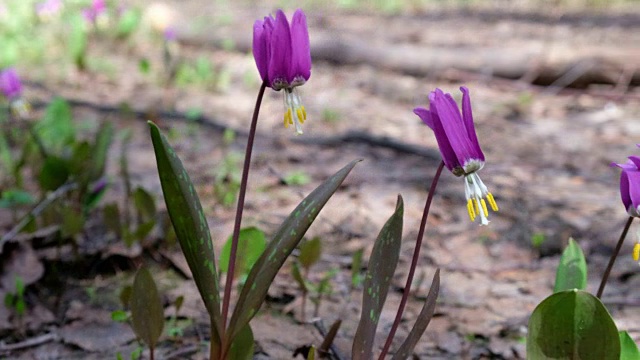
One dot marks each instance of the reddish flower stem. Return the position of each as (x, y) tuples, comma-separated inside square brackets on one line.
[(243, 189), (414, 263), (613, 258)]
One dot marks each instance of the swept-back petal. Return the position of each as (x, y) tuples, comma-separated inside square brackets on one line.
[(280, 59), (635, 161), (260, 53), (453, 127), (301, 51), (624, 190), (425, 116), (467, 117), (448, 155)]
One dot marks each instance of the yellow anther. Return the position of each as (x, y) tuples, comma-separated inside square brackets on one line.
[(286, 118), (304, 112), (484, 207), (475, 205), (472, 214), (300, 116), (492, 202), (636, 252)]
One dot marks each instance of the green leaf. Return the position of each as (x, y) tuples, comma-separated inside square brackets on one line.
[(297, 276), (251, 244), (356, 264), (104, 138), (283, 243), (125, 296), (628, 347), (572, 271), (572, 324), (143, 230), (147, 313), (72, 222), (128, 23), (242, 347), (119, 316), (111, 216), (15, 197), (382, 265), (406, 349), (77, 40), (310, 252), (145, 203), (191, 227), (54, 173), (56, 129)]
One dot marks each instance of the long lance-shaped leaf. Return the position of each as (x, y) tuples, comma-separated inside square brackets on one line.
[(422, 321), (382, 265), (284, 241), (190, 225), (572, 270)]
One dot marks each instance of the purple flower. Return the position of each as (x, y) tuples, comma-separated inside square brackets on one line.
[(283, 56), (630, 185), (97, 8), (10, 84), (459, 147), (48, 8)]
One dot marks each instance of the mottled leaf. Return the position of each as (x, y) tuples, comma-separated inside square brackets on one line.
[(628, 347), (572, 324), (310, 252), (147, 313), (406, 349), (382, 265), (283, 243), (572, 270), (191, 227)]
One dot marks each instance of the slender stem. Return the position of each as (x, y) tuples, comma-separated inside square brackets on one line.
[(414, 263), (243, 190), (613, 258)]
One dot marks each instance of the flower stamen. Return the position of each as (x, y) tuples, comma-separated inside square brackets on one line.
[(472, 214), (295, 113), (492, 202), (476, 193), (636, 251)]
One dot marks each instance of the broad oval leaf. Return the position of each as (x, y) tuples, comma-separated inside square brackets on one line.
[(382, 265), (190, 225), (251, 244), (572, 270), (147, 313), (310, 252), (284, 241), (55, 172), (628, 347), (406, 349), (242, 347), (572, 325)]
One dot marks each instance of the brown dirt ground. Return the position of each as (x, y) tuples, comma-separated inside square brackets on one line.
[(548, 161)]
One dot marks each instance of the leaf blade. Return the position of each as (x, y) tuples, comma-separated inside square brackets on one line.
[(190, 225), (284, 241), (572, 270), (382, 265), (147, 313), (422, 321)]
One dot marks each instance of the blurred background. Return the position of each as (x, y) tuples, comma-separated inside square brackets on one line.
[(555, 93)]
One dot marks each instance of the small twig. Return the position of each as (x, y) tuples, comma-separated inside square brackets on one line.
[(35, 341), (319, 325), (37, 210)]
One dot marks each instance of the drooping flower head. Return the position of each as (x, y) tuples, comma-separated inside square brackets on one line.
[(458, 143), (283, 57), (10, 84), (630, 192)]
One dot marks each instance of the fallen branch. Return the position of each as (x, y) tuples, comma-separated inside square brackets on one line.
[(35, 341)]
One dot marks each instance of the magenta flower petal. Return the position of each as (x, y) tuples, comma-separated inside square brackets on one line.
[(260, 48), (467, 117), (448, 155), (281, 52), (10, 83), (300, 70)]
